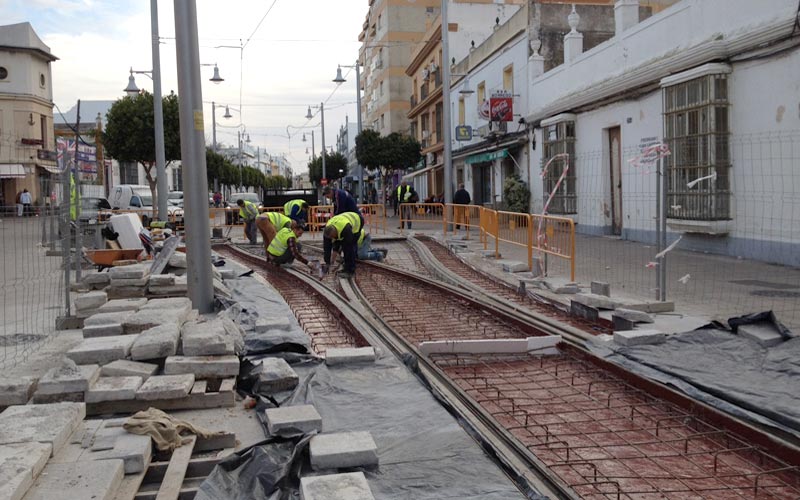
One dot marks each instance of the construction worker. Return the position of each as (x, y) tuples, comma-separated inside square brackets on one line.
[(365, 250), (406, 194), (297, 210), (248, 211), (284, 248), (340, 199), (341, 234), (269, 223)]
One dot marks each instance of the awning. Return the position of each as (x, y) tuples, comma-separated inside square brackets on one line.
[(13, 171), (53, 169), (484, 157), (425, 170)]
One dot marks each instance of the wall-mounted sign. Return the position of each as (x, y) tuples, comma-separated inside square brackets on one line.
[(463, 133), (44, 154), (484, 109), (502, 106)]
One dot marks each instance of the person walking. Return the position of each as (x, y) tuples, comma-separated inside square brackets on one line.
[(18, 202), (461, 197), (284, 248), (249, 211), (406, 194), (269, 223), (297, 210), (217, 199), (341, 235), (26, 200)]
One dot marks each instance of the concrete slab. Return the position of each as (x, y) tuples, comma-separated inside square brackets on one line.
[(125, 292), (20, 464), (601, 288), (161, 280), (650, 307), (122, 305), (203, 366), (178, 259), (291, 420), (264, 325), (16, 390), (96, 278), (78, 481), (633, 315), (541, 345), (172, 303), (102, 350), (165, 387), (50, 423), (179, 287), (126, 368), (109, 330), (764, 333), (144, 319), (123, 283), (113, 389), (349, 486), (513, 266), (90, 300), (276, 375), (207, 338), (596, 301), (114, 318), (136, 271), (134, 450), (68, 377), (639, 337), (348, 355), (157, 342), (345, 449), (85, 313)]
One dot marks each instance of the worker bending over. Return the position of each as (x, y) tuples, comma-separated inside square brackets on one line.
[(269, 223), (297, 210), (284, 247), (365, 250), (341, 234), (248, 211)]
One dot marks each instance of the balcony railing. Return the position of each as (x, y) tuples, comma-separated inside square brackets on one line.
[(423, 92), (413, 101)]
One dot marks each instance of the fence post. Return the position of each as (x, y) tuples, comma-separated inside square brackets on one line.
[(530, 242), (572, 250), (496, 234), (661, 229), (444, 220), (66, 234)]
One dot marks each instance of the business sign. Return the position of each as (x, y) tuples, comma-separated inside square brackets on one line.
[(463, 133), (501, 106), (484, 109), (44, 154), (85, 159)]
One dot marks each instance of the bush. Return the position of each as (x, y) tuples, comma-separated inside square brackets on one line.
[(516, 194)]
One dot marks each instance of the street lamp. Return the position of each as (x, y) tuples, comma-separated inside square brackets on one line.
[(309, 116), (340, 80)]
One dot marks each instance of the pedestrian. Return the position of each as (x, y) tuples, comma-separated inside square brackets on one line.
[(249, 211), (297, 210), (341, 235), (340, 199), (269, 223), (18, 202), (365, 250), (461, 197), (217, 199), (284, 248), (406, 195), (373, 195), (26, 200)]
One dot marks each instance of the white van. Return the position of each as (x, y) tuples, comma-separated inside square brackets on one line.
[(139, 198)]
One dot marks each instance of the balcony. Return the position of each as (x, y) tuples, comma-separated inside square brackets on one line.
[(423, 92), (437, 78), (413, 101)]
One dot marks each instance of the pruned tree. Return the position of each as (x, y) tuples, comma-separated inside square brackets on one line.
[(333, 164), (129, 133)]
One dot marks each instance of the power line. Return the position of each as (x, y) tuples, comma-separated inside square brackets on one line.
[(259, 24)]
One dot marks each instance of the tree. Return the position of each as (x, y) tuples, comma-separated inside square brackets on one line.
[(395, 151), (516, 194), (333, 164), (129, 133), (368, 149)]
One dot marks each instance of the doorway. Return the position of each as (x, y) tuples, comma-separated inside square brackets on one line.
[(615, 169), (482, 184)]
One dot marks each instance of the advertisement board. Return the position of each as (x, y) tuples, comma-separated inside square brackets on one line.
[(501, 106)]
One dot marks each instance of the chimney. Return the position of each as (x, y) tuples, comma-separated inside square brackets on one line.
[(573, 41), (626, 15)]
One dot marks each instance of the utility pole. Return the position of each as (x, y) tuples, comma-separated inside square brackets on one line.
[(361, 184), (446, 126), (198, 247), (322, 120), (162, 187), (313, 151)]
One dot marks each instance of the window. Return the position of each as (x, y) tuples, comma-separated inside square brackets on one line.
[(559, 138), (128, 172), (177, 179), (379, 61), (481, 93), (413, 130), (383, 121), (696, 129), (43, 126), (41, 80), (461, 111), (380, 24), (508, 78), (439, 111), (380, 89), (375, 125)]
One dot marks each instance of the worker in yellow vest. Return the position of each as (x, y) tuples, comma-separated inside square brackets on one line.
[(341, 234), (248, 211), (284, 247), (366, 251), (406, 194), (74, 198), (269, 223), (297, 210)]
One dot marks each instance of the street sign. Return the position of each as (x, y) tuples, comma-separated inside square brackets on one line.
[(464, 133), (323, 182)]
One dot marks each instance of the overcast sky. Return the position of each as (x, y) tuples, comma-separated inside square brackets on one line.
[(287, 64)]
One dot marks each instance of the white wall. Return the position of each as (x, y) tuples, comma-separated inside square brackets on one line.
[(475, 23)]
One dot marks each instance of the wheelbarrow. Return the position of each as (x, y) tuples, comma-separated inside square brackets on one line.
[(106, 258)]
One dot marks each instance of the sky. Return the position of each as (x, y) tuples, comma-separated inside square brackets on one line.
[(287, 63)]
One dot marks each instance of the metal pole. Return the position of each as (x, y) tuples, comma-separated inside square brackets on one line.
[(213, 126), (239, 140), (659, 244), (662, 229), (77, 174), (322, 120), (446, 127), (313, 151), (361, 182), (66, 230), (162, 188), (198, 248)]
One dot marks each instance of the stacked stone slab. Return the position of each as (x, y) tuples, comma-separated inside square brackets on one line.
[(45, 423), (128, 281), (203, 367), (89, 303), (168, 285), (78, 480), (158, 342), (125, 368), (16, 391), (20, 465), (102, 350), (66, 382), (207, 338), (115, 443), (123, 305), (165, 387), (96, 281), (105, 324), (275, 375)]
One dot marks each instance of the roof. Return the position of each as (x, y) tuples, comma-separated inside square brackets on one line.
[(89, 110), (21, 36)]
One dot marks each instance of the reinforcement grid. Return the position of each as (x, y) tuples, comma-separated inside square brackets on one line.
[(423, 313), (452, 263), (607, 439), (325, 325)]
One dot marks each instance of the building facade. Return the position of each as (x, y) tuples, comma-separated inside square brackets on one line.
[(27, 140)]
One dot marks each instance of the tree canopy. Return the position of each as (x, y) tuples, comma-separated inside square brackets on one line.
[(333, 163), (226, 173), (392, 151)]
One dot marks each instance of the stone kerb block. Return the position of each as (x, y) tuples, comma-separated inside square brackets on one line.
[(203, 366), (633, 315), (347, 355), (96, 279), (345, 449), (16, 391), (511, 266), (136, 271), (596, 301), (108, 330), (146, 319), (764, 333), (68, 378), (103, 318), (20, 464), (134, 450), (292, 420), (46, 423), (78, 481), (207, 338), (349, 486), (157, 342), (165, 387), (180, 286), (126, 368), (123, 305), (102, 350), (276, 375), (162, 280), (227, 274), (601, 288), (639, 337), (113, 389), (90, 300)]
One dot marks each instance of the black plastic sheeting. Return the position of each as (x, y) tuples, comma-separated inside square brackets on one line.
[(732, 373)]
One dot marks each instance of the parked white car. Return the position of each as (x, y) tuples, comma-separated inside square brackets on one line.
[(138, 198)]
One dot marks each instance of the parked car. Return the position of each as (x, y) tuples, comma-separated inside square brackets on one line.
[(139, 198), (93, 210), (175, 199)]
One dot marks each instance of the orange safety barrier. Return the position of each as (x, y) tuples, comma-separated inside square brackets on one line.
[(374, 217), (423, 213), (554, 236), (318, 216), (466, 216)]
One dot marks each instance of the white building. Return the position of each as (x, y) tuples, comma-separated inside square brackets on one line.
[(714, 80)]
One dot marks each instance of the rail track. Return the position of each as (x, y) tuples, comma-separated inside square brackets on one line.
[(567, 426)]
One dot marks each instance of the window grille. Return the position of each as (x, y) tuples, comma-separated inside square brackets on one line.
[(559, 138)]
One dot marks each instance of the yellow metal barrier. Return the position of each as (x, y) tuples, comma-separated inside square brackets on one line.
[(423, 213), (374, 217), (142, 213), (318, 216), (513, 228), (554, 236)]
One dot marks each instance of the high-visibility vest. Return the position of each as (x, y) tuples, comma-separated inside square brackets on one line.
[(280, 243), (289, 206), (403, 197), (361, 238), (341, 221), (74, 198), (277, 219), (248, 206)]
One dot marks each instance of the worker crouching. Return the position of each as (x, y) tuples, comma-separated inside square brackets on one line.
[(341, 234), (269, 223), (284, 248)]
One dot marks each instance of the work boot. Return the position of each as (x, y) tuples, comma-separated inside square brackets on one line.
[(383, 251), (344, 274)]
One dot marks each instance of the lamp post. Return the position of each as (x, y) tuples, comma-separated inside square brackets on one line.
[(446, 121), (339, 79), (313, 151), (309, 116)]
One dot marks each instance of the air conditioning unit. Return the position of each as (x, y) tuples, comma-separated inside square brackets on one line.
[(433, 68), (425, 74)]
